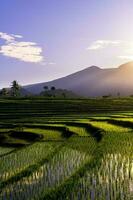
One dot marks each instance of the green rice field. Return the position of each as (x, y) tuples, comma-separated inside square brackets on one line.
[(54, 149)]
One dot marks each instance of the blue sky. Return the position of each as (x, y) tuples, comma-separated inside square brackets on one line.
[(41, 40)]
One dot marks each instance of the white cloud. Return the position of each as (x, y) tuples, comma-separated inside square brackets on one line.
[(21, 50), (100, 44), (127, 57), (17, 36), (126, 47), (27, 53), (6, 37)]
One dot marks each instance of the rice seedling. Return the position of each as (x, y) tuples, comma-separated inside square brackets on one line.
[(5, 150), (94, 161)]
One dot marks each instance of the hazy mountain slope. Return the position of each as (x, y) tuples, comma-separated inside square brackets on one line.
[(94, 81)]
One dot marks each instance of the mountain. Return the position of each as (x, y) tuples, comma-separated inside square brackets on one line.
[(93, 81), (24, 92)]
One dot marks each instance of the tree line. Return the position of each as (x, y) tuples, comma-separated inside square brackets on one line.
[(15, 90)]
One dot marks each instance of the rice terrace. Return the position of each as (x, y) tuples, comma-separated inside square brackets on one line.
[(66, 149), (66, 100)]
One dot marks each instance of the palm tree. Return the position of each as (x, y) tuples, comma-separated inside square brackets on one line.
[(15, 88)]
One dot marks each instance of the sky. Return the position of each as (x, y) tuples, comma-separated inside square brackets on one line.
[(42, 40)]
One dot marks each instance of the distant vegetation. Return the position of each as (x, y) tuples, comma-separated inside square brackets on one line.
[(17, 91), (58, 93), (14, 91)]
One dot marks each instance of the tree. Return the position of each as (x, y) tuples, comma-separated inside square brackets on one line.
[(118, 94), (15, 88), (45, 93), (45, 87), (64, 94), (52, 88), (106, 96), (4, 92)]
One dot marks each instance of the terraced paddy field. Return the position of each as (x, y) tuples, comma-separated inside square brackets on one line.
[(80, 149)]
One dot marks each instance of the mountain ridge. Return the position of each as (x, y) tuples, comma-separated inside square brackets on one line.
[(93, 81)]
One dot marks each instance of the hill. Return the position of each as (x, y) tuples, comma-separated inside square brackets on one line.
[(93, 81)]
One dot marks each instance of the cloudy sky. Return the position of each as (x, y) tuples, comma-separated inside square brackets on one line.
[(41, 40)]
